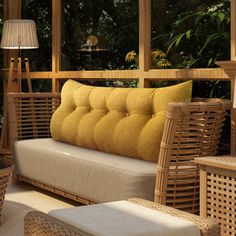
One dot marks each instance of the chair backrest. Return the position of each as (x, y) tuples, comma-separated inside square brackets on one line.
[(191, 130)]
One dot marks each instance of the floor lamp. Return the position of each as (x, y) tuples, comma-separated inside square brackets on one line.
[(17, 34)]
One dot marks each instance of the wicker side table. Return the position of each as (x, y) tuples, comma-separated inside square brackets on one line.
[(218, 191)]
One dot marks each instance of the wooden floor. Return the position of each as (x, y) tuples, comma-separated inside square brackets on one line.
[(23, 198)]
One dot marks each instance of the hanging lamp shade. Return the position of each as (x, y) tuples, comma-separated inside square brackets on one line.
[(19, 34)]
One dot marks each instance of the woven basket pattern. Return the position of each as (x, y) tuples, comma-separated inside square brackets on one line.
[(221, 194), (40, 224), (4, 179), (31, 114), (207, 226), (191, 130)]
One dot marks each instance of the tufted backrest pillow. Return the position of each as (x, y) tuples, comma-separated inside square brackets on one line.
[(124, 121)]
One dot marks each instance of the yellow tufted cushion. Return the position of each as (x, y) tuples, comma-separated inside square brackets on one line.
[(124, 121)]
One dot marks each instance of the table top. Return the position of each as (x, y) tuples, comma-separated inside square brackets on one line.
[(223, 162)]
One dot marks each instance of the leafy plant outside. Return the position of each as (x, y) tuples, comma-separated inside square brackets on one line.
[(198, 38)]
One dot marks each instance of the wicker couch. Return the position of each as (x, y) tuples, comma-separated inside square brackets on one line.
[(90, 176)]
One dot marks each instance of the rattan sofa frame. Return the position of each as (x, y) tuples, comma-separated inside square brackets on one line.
[(40, 224), (191, 130)]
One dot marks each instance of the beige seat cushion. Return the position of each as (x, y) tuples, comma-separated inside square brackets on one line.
[(94, 175), (124, 218)]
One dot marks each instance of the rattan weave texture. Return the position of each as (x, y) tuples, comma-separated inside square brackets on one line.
[(30, 114), (40, 224), (221, 190), (4, 179), (191, 130), (207, 227), (218, 191)]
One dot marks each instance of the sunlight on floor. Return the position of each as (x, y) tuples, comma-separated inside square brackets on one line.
[(23, 198), (35, 198)]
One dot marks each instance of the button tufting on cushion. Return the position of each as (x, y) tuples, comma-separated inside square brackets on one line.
[(124, 121)]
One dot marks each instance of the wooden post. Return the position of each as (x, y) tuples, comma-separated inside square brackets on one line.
[(144, 40), (233, 76), (27, 72), (203, 192), (233, 113), (233, 30), (230, 69), (56, 42), (11, 10)]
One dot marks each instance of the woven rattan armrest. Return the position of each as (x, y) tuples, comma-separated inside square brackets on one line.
[(40, 224), (207, 226)]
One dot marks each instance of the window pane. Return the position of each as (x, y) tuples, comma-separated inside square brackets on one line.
[(190, 33), (41, 13), (132, 83), (97, 34), (38, 85)]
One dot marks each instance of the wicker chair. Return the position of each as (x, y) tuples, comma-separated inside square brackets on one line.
[(191, 130)]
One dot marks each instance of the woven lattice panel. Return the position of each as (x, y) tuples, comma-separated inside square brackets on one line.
[(221, 202), (31, 114), (191, 130), (4, 179)]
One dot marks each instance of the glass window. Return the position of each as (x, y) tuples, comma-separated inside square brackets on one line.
[(38, 85), (190, 33), (132, 83), (41, 12), (96, 35)]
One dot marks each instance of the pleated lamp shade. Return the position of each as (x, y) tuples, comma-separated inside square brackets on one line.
[(19, 34)]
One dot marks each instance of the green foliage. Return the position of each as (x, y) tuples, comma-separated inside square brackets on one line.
[(41, 13), (114, 23), (158, 59), (199, 37), (196, 35)]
